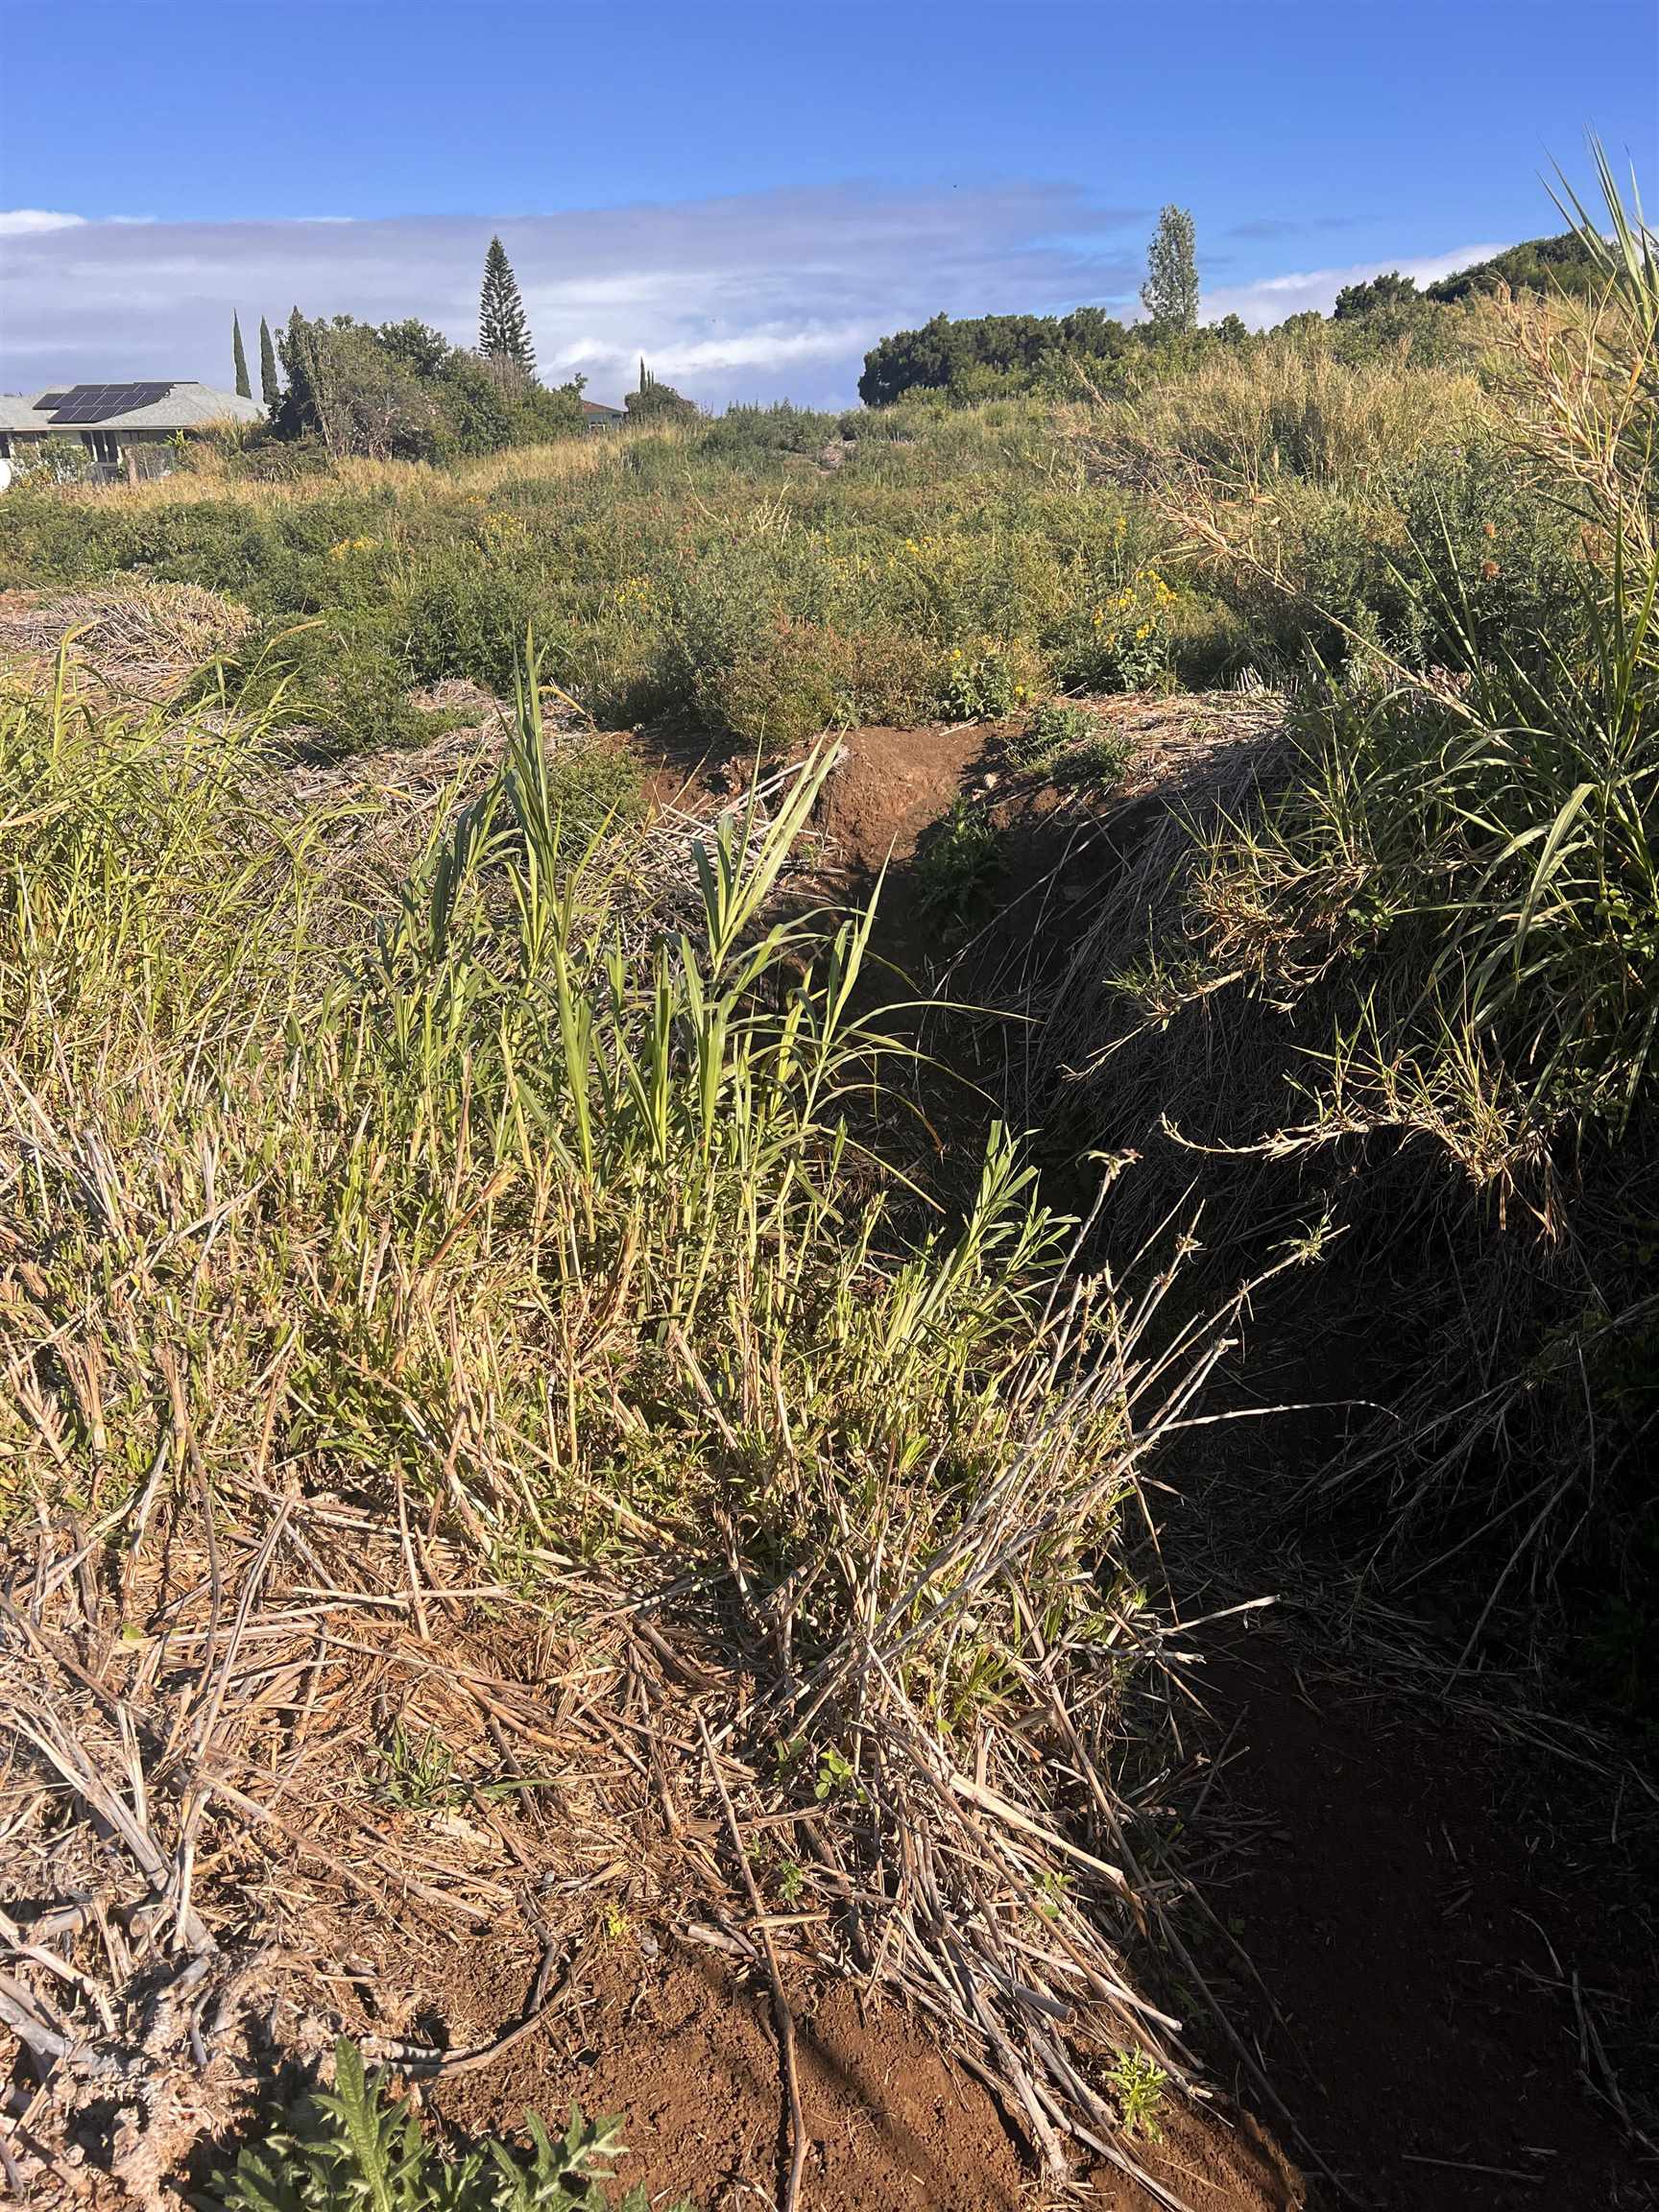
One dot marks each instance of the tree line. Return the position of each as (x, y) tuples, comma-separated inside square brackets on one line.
[(401, 391), (981, 355)]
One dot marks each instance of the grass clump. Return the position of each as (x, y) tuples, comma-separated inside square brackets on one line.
[(338, 681), (548, 1201), (1069, 744), (1483, 832), (1440, 933), (1053, 727)]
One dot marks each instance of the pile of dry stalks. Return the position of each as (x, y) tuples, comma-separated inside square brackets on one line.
[(140, 639)]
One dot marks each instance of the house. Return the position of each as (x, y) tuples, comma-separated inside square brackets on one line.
[(596, 416), (113, 421)]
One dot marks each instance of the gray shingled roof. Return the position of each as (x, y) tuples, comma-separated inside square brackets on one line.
[(185, 406)]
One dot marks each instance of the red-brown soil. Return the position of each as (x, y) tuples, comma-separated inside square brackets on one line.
[(688, 2057)]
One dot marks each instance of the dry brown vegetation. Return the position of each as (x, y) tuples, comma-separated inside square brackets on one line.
[(521, 1444)]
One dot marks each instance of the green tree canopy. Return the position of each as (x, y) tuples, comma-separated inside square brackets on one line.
[(1170, 292), (1536, 265), (656, 401), (503, 327), (403, 392), (983, 352), (1388, 291), (245, 390), (270, 383)]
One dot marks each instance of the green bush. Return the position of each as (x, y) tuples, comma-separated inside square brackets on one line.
[(1056, 726), (337, 678), (894, 677), (779, 429), (987, 686), (51, 461), (782, 685), (958, 865), (592, 786), (462, 614), (1123, 642)]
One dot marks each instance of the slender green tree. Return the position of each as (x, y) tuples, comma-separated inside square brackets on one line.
[(1170, 292), (503, 327), (270, 383), (244, 388), (654, 400)]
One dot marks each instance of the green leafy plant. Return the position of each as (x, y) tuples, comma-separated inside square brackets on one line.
[(957, 866), (1103, 758), (1138, 2083), (981, 688), (417, 1772), (836, 1775), (1052, 1890), (1125, 644), (1053, 727), (355, 2148)]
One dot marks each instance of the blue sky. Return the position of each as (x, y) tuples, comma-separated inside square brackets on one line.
[(752, 193)]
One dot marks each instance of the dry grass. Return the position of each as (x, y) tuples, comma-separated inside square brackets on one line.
[(212, 476), (145, 639), (479, 1319)]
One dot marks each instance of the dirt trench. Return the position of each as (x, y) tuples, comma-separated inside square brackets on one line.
[(1429, 1910), (1425, 1915)]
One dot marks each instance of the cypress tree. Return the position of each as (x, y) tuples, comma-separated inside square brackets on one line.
[(503, 328), (1170, 292), (244, 390), (270, 384)]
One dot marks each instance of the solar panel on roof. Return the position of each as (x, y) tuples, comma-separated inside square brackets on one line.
[(89, 403)]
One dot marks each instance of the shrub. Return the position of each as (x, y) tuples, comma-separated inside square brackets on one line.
[(463, 614), (337, 678), (782, 685), (957, 867), (592, 786), (778, 429), (893, 676), (51, 461), (1056, 726), (269, 460), (1103, 758), (655, 403), (986, 685), (1124, 644)]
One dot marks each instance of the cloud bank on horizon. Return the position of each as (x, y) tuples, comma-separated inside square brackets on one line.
[(763, 296)]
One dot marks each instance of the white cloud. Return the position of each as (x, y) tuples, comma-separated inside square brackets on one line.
[(30, 222), (754, 295), (1273, 300), (775, 347)]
